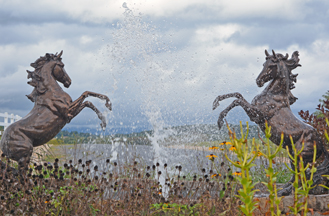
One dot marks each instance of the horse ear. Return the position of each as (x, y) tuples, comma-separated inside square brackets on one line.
[(295, 55), (274, 53), (60, 54), (266, 53)]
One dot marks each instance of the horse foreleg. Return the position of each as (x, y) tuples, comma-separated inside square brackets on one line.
[(222, 97), (77, 103), (78, 109), (251, 111)]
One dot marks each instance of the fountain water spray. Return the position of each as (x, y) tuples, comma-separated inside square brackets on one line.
[(136, 45)]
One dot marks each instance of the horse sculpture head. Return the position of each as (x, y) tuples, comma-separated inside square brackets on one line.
[(278, 66), (47, 68)]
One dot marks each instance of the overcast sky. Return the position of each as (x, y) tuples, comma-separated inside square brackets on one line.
[(162, 62)]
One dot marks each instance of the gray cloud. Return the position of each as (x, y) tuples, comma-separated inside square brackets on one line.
[(172, 61)]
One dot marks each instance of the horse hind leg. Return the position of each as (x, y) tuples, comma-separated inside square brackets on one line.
[(90, 105), (20, 151)]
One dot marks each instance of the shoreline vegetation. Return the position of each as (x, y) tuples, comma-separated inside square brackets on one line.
[(225, 183), (56, 186)]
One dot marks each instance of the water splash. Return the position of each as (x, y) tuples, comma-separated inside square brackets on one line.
[(136, 45)]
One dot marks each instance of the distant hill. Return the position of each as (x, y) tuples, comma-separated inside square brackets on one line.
[(185, 134)]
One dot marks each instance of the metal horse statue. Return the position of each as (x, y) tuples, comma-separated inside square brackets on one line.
[(53, 109), (273, 105)]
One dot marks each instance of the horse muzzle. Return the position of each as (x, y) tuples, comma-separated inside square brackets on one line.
[(67, 84), (260, 83)]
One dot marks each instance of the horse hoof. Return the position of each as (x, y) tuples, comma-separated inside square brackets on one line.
[(220, 124), (109, 106), (215, 104), (103, 125)]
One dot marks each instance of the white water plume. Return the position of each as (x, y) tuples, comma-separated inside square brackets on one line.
[(136, 45)]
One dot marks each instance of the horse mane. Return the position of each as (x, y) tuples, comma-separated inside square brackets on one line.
[(291, 64), (37, 80)]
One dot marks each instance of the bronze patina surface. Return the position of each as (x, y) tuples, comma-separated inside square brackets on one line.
[(53, 109), (273, 105)]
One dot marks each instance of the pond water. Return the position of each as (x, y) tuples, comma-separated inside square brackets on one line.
[(192, 159)]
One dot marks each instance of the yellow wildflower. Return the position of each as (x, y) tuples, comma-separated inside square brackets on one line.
[(222, 149), (232, 148), (237, 173), (238, 162), (211, 156), (213, 147), (258, 153), (225, 143), (214, 175)]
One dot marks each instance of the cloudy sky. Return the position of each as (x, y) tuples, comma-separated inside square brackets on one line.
[(162, 62)]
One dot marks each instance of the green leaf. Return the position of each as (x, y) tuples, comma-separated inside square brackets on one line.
[(244, 181)]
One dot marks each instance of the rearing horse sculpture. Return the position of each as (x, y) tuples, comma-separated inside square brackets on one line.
[(53, 109), (273, 105)]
